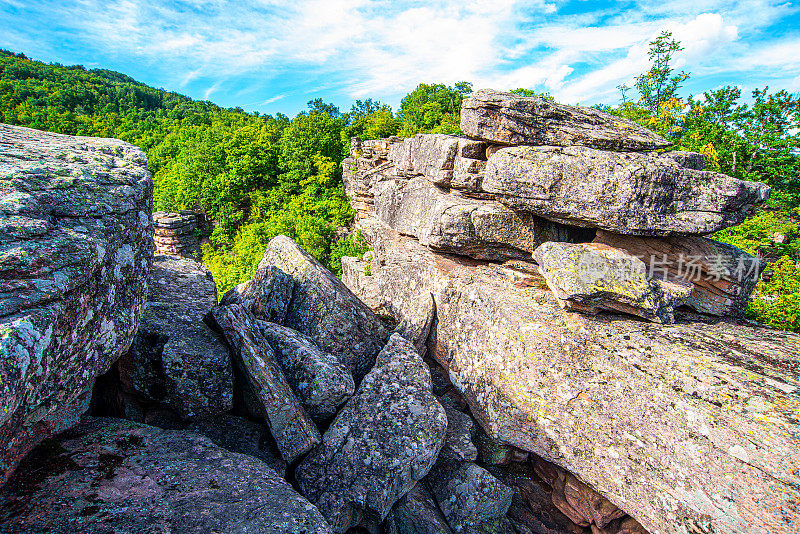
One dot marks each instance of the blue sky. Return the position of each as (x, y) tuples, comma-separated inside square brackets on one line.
[(271, 56)]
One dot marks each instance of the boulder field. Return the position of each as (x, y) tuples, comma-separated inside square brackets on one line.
[(542, 340)]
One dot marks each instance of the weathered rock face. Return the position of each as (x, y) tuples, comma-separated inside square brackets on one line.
[(176, 360), (175, 234), (590, 277), (626, 193), (76, 243), (320, 381), (468, 495), (267, 294), (416, 513), (325, 310), (722, 276), (238, 434), (681, 426), (117, 476), (509, 119), (442, 159), (450, 222), (292, 428), (384, 440)]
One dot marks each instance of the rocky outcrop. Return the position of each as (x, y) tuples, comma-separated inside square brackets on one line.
[(117, 476), (76, 238), (293, 430), (591, 277), (722, 276), (509, 119), (176, 361), (385, 439), (176, 234), (627, 193), (325, 310), (659, 419)]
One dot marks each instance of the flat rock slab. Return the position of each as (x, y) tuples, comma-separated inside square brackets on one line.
[(690, 426), (509, 119), (294, 431), (76, 244), (627, 193), (325, 310), (320, 381), (176, 360), (722, 275), (385, 439), (111, 476), (590, 277)]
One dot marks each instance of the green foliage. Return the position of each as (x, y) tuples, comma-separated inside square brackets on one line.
[(659, 85), (351, 245), (530, 92), (768, 234), (433, 108), (777, 301)]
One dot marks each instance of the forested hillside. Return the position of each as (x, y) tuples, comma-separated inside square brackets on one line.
[(259, 176)]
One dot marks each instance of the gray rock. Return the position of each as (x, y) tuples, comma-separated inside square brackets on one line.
[(589, 277), (656, 418), (461, 429), (176, 360), (320, 381), (626, 193), (110, 476), (416, 513), (468, 495), (385, 439), (76, 243), (493, 452), (325, 310), (509, 119), (267, 294), (292, 428), (438, 157), (721, 275), (690, 160), (238, 434), (450, 222)]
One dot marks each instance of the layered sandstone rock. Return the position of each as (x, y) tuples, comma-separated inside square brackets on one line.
[(509, 119), (684, 426), (77, 241), (176, 234), (627, 193)]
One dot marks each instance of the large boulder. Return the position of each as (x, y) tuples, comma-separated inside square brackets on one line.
[(325, 310), (117, 476), (76, 243), (721, 275), (442, 159), (690, 426), (416, 513), (627, 193), (294, 431), (267, 294), (385, 439), (176, 360), (450, 222), (319, 379), (509, 119), (590, 277)]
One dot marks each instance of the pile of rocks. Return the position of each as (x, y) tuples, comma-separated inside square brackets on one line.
[(491, 241), (535, 179), (176, 234)]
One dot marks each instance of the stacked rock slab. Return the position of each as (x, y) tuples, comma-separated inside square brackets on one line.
[(175, 234), (77, 243), (686, 426)]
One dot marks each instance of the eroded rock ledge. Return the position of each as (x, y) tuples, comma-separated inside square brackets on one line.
[(691, 427)]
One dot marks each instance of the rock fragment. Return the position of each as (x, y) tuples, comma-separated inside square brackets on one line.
[(384, 440), (292, 428)]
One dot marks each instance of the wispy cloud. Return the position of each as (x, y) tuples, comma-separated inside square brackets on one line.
[(580, 51)]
